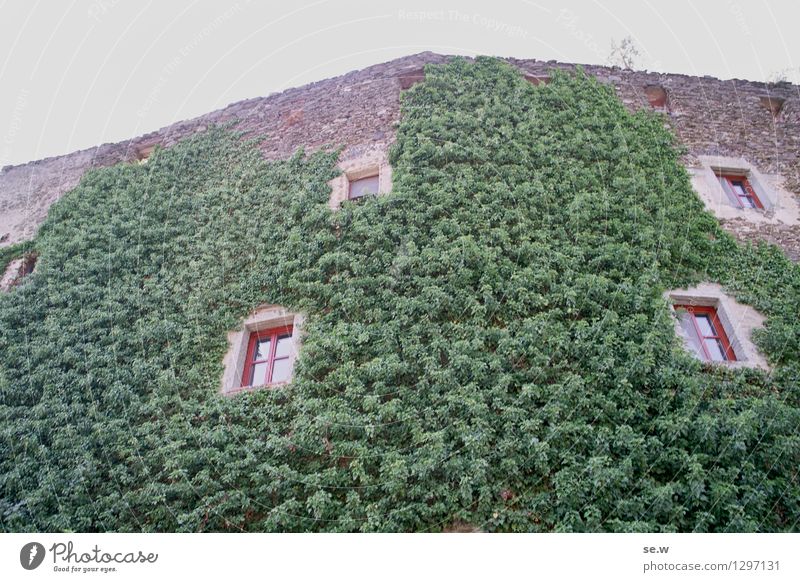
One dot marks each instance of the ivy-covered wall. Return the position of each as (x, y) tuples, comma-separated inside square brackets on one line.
[(487, 344)]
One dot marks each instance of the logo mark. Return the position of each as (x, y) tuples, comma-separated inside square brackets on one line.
[(31, 555)]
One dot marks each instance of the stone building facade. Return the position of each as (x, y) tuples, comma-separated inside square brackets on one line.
[(739, 126), (430, 384)]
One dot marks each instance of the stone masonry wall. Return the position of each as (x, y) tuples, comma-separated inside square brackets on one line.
[(360, 110)]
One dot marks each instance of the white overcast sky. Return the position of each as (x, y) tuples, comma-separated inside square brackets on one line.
[(76, 73)]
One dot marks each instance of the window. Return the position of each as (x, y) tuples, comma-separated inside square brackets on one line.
[(144, 153), (740, 191), (537, 79), (28, 264), (657, 97), (363, 187), (263, 351), (268, 357), (17, 270), (715, 327), (368, 174), (733, 188), (705, 332), (411, 78), (773, 104)]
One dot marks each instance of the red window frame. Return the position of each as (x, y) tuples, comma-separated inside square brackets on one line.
[(717, 328), (749, 192), (250, 363)]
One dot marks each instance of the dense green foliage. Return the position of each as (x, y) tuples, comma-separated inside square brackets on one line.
[(486, 344)]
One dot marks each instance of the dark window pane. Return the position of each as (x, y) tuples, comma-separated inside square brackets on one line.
[(738, 187), (363, 187), (262, 349), (284, 347), (281, 370)]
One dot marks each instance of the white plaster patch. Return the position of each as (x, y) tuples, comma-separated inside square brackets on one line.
[(12, 274)]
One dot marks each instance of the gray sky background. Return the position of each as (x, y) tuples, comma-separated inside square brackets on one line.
[(77, 73)]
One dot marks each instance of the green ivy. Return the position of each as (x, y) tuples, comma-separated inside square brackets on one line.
[(487, 344)]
